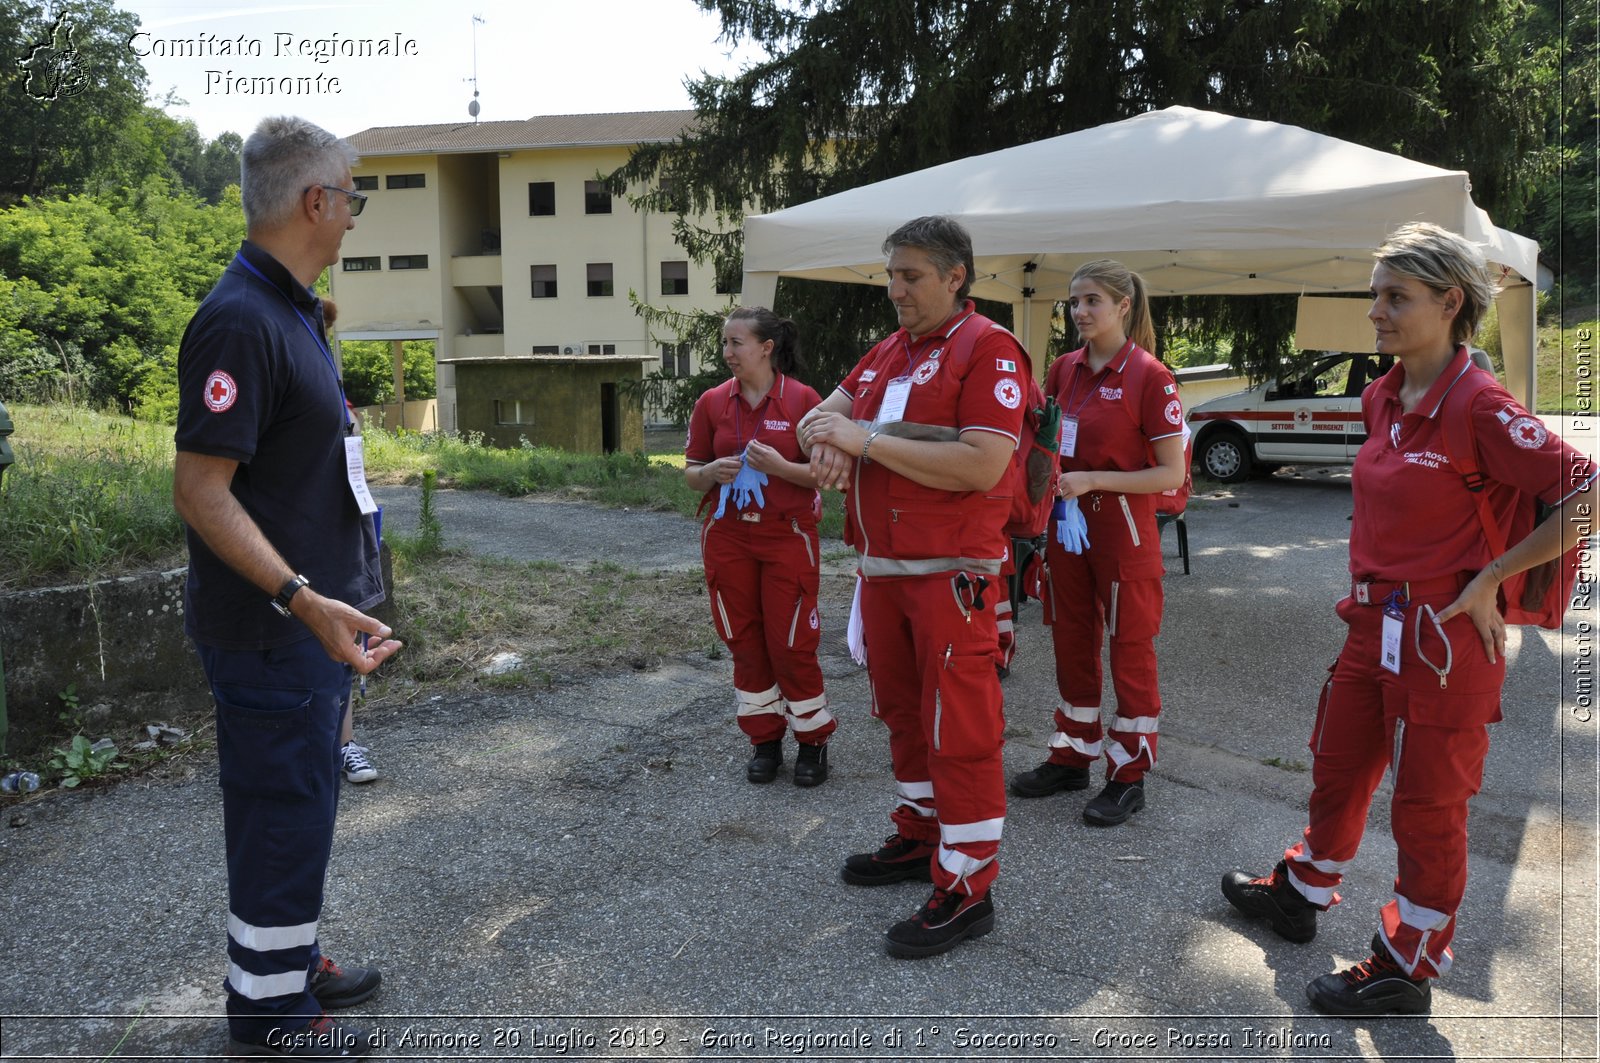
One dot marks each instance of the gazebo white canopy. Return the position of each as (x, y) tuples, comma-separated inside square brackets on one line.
[(1200, 203)]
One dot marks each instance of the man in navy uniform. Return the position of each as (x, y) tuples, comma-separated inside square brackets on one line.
[(283, 559)]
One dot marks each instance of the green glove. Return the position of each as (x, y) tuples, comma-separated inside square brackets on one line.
[(1048, 437)]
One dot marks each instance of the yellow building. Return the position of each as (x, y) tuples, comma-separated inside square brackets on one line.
[(497, 241)]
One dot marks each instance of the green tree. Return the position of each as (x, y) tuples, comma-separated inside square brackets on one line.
[(70, 92), (854, 91), (1561, 215), (95, 291), (368, 370)]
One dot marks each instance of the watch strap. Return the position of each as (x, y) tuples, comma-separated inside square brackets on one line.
[(286, 594)]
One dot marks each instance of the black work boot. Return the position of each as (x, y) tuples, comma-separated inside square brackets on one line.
[(765, 761), (1375, 986), (944, 922), (1115, 804), (1274, 899), (1050, 778), (899, 859), (811, 765)]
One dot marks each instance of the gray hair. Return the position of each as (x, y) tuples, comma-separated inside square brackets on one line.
[(943, 239), (283, 157), (1442, 260)]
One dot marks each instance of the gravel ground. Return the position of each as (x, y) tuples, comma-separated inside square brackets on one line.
[(583, 872)]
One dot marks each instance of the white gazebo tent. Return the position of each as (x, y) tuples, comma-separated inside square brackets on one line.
[(1199, 203)]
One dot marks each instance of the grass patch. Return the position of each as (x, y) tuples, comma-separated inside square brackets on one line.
[(90, 495), (1560, 349), (622, 481), (457, 612)]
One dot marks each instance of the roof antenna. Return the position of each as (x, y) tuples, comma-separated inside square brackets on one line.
[(473, 108)]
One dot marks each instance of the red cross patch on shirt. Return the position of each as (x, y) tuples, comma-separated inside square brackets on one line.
[(221, 391)]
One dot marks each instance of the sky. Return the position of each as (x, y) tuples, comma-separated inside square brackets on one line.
[(534, 57)]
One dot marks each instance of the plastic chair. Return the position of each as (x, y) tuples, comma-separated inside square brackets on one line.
[(1162, 520)]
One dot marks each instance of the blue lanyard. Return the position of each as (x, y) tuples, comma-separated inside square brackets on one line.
[(344, 403)]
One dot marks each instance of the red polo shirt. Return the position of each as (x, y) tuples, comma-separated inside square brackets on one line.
[(723, 424), (1114, 433), (1414, 517), (892, 516)]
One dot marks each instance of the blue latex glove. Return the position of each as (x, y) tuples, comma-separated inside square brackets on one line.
[(1072, 531), (746, 485)]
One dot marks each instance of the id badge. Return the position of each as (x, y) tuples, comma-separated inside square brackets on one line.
[(1069, 437), (355, 468), (1394, 626), (894, 400)]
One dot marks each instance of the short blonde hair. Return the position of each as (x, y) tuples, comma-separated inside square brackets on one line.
[(1442, 260)]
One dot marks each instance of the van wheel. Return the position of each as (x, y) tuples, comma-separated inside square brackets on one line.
[(1225, 456)]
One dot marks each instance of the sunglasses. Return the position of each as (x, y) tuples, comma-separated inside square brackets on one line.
[(358, 202)]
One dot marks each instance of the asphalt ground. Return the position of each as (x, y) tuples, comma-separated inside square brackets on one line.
[(583, 873)]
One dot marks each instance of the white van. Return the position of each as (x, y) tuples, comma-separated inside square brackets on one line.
[(1315, 419)]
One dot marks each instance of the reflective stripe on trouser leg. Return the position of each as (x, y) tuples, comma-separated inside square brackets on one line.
[(761, 714), (967, 849), (1005, 626), (810, 720), (278, 716), (1418, 938), (1131, 752), (1078, 735), (916, 798)]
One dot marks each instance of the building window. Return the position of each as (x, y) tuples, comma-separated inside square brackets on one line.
[(544, 282), (406, 180), (599, 278), (541, 199), (546, 348), (408, 261), (675, 359), (365, 264), (674, 278), (600, 348), (367, 184), (596, 200), (672, 200), (513, 411)]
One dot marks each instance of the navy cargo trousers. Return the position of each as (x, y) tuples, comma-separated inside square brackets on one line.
[(278, 717)]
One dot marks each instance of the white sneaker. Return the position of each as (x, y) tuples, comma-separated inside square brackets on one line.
[(357, 768)]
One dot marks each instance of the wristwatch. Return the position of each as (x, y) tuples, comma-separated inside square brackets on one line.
[(287, 592)]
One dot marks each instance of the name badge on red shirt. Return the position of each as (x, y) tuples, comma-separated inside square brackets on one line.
[(894, 400)]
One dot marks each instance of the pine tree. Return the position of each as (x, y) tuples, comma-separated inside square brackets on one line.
[(855, 91)]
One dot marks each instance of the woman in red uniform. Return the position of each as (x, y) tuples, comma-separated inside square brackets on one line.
[(760, 543), (1121, 446), (1418, 680)]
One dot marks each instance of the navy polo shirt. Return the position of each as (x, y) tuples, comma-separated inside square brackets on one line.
[(255, 385)]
